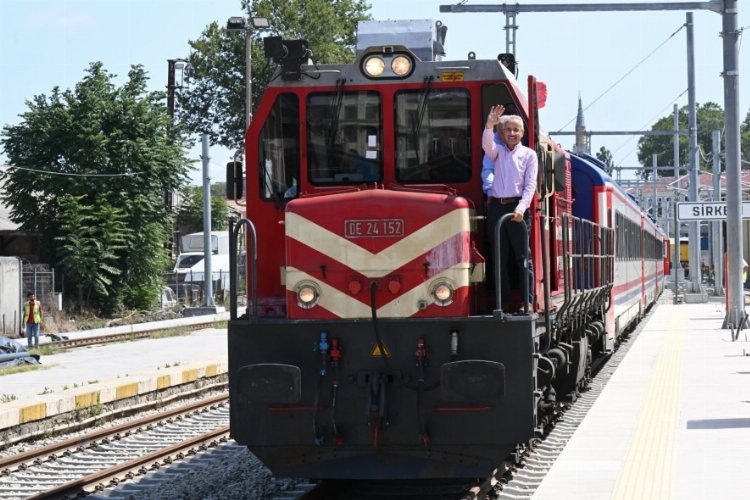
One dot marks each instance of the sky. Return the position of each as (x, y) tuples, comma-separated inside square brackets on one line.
[(48, 43)]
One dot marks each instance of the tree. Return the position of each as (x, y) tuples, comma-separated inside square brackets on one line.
[(89, 249), (605, 156), (190, 215), (91, 162), (213, 99), (709, 117)]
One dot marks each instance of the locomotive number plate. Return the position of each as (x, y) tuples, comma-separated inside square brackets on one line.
[(373, 228)]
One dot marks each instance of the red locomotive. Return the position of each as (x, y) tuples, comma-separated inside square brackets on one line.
[(374, 346)]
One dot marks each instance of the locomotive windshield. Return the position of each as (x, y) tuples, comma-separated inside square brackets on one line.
[(433, 136), (344, 140)]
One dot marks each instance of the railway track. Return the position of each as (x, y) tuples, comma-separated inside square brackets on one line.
[(119, 337), (90, 463)]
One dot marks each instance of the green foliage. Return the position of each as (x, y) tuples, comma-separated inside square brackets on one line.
[(93, 238), (710, 116), (190, 215), (605, 156), (146, 264), (92, 167), (213, 99)]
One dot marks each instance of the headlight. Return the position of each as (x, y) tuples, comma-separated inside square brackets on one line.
[(308, 294), (401, 65), (442, 291), (374, 66)]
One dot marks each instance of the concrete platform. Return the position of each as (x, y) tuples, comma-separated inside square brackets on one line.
[(674, 420), (90, 376)]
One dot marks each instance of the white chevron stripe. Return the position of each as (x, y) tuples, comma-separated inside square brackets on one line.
[(403, 306), (376, 265)]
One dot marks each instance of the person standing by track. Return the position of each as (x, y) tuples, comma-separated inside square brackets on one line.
[(509, 181), (32, 319)]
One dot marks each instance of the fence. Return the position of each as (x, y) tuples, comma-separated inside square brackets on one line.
[(42, 281)]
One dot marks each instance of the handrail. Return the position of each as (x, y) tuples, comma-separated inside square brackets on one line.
[(587, 269), (499, 260), (234, 230)]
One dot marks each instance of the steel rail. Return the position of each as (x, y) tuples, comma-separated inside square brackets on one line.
[(33, 457), (119, 337), (124, 470)]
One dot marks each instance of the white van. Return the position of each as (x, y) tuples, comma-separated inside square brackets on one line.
[(189, 266), (193, 243)]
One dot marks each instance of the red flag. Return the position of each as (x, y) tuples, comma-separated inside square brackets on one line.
[(541, 94)]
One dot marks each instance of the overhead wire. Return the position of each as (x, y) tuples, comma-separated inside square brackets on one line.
[(71, 174), (625, 75)]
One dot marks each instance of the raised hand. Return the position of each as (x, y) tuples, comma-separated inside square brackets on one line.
[(493, 118)]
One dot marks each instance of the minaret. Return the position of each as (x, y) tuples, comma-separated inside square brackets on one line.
[(582, 144)]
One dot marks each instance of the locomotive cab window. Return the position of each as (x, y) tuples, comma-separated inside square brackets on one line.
[(433, 136), (278, 150), (344, 141)]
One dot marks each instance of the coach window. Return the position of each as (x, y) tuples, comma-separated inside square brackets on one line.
[(344, 138), (433, 136), (620, 240), (278, 150)]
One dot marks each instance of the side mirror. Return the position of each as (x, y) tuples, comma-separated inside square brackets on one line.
[(235, 180)]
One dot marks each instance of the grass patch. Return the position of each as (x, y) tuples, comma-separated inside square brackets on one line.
[(221, 325), (90, 323), (172, 332), (23, 368), (45, 350)]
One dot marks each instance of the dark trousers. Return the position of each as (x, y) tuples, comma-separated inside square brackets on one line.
[(512, 243)]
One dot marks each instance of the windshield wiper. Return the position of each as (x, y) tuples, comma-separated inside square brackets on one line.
[(421, 108), (333, 125)]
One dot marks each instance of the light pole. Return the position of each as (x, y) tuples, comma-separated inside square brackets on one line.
[(173, 65), (241, 24)]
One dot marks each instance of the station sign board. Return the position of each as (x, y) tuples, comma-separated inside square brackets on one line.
[(712, 210)]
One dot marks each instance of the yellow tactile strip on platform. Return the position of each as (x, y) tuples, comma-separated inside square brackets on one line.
[(55, 402), (648, 467)]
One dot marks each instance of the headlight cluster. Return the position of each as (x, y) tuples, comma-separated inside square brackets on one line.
[(442, 291), (387, 66)]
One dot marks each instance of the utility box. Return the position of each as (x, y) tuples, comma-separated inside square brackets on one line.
[(10, 296)]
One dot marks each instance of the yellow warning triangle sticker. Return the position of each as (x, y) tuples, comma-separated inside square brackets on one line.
[(377, 353)]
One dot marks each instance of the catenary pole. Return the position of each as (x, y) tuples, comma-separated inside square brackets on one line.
[(676, 267), (694, 240), (654, 181), (730, 39), (208, 296), (718, 245)]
